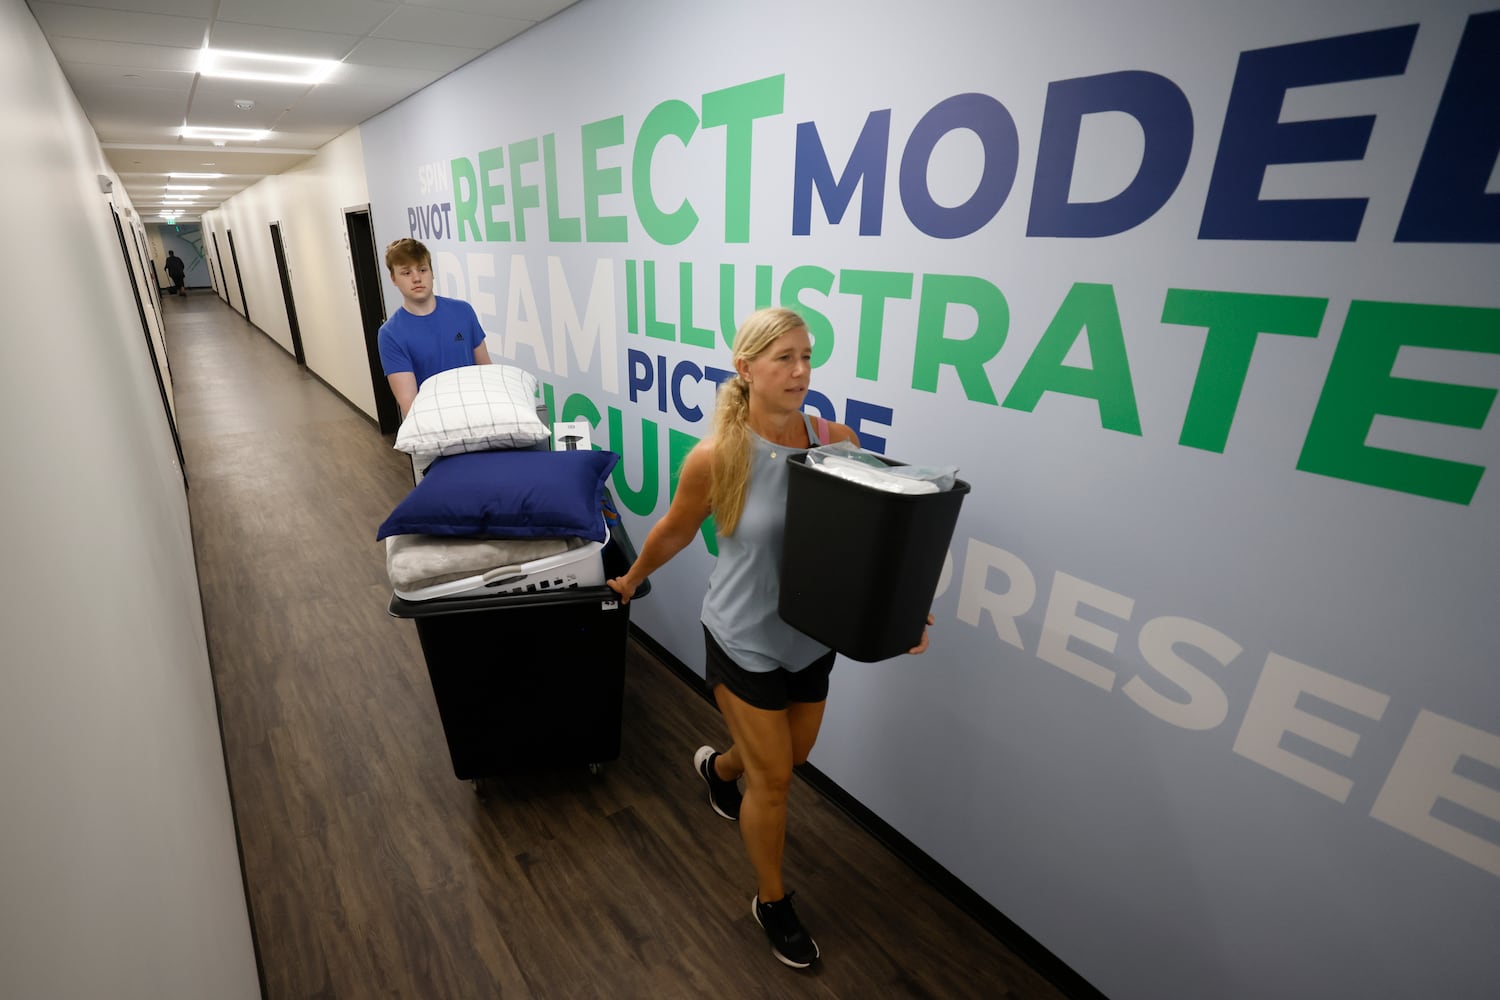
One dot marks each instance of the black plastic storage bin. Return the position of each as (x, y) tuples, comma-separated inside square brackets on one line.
[(532, 679), (859, 565)]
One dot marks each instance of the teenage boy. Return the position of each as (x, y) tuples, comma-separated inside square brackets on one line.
[(429, 333)]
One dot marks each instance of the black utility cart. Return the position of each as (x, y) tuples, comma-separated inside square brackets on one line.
[(529, 680)]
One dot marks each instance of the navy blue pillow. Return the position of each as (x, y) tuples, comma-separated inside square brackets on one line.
[(507, 494)]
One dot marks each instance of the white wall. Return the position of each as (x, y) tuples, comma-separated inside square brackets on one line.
[(308, 201), (119, 875)]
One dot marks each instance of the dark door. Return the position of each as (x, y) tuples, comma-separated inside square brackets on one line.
[(223, 279), (371, 311), (140, 308), (286, 293), (235, 259)]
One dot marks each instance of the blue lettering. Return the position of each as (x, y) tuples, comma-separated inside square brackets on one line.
[(1448, 202), (1254, 139), (986, 118), (1166, 120), (865, 169)]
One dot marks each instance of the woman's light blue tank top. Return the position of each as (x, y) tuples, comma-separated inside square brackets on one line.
[(739, 609)]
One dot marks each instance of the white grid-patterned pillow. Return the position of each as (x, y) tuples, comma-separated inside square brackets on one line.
[(474, 408)]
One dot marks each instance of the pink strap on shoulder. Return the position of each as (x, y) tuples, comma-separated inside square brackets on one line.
[(824, 434)]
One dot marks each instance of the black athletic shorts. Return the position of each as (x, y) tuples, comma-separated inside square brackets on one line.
[(772, 690)]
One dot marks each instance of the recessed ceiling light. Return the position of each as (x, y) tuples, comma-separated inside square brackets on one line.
[(259, 66), (222, 135)]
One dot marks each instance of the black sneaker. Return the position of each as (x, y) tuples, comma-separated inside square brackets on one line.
[(789, 942), (723, 796)]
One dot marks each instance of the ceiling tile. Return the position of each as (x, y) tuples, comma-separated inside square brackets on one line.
[(119, 26), (450, 27), (344, 17), (126, 54), (182, 8), (213, 102), (83, 74), (411, 55), (528, 10)]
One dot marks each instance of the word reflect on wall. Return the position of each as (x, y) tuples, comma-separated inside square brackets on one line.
[(1426, 793), (497, 192)]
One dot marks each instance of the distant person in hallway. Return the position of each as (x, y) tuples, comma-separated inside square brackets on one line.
[(769, 680), (429, 333), (176, 270)]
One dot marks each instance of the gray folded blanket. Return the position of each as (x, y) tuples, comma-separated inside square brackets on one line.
[(414, 562)]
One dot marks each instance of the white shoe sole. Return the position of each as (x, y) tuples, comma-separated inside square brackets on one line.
[(755, 912), (699, 759)]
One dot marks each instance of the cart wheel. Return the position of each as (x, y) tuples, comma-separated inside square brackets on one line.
[(596, 769)]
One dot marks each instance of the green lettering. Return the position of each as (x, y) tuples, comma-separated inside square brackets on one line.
[(491, 160), (817, 279), (667, 118), (1088, 309), (655, 327), (1360, 387), (465, 197), (631, 300), (642, 501), (601, 181), (690, 334), (559, 228), (968, 355), (523, 195), (736, 108), (580, 407), (873, 289), (1234, 321)]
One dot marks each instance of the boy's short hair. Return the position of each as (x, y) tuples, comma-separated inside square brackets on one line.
[(405, 251)]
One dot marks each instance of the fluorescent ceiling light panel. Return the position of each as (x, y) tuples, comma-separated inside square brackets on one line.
[(259, 66), (185, 176), (188, 187), (179, 197), (223, 134)]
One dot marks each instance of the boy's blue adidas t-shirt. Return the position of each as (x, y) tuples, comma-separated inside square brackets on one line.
[(425, 345)]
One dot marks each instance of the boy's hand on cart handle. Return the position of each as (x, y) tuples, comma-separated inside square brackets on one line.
[(921, 647), (623, 587)]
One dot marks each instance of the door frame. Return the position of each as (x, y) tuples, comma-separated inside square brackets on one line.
[(359, 232)]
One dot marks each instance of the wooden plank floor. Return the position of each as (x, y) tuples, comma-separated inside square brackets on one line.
[(373, 872)]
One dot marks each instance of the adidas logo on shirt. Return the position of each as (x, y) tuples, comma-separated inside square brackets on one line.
[(458, 336)]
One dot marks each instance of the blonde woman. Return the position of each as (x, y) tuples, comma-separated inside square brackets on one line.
[(769, 680)]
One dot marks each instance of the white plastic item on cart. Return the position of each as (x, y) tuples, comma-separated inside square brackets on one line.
[(847, 461), (578, 566)]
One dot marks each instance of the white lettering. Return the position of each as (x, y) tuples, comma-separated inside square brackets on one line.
[(1062, 623), (597, 328), (1273, 711), (1423, 774), (1206, 705), (1004, 607), (522, 324), (482, 265)]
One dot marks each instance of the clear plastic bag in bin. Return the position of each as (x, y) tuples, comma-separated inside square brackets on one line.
[(849, 461)]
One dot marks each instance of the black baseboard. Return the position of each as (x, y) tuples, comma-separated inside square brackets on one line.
[(1004, 930)]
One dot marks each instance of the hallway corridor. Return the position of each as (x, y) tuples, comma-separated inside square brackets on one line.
[(372, 870)]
